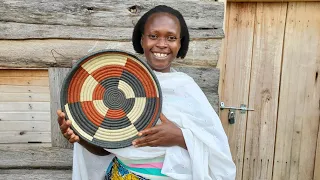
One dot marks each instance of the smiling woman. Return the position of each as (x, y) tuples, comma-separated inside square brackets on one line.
[(188, 141), (161, 40)]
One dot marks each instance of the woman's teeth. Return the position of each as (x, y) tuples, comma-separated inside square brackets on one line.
[(160, 55)]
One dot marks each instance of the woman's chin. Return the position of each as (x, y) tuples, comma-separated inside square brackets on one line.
[(161, 68)]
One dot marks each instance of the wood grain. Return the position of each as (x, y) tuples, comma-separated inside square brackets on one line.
[(298, 118), (236, 77), (24, 106), (30, 126), (24, 97), (35, 174), (25, 137), (23, 73), (317, 159), (23, 89), (25, 116), (92, 19), (60, 53), (35, 157), (56, 77), (24, 81), (264, 90), (22, 31)]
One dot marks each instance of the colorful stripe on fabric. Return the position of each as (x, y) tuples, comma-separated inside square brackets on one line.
[(148, 168)]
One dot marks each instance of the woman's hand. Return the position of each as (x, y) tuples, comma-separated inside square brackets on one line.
[(165, 134), (72, 137), (65, 128)]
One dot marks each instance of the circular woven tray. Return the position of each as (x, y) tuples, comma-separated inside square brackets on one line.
[(110, 96)]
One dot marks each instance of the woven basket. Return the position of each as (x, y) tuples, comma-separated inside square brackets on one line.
[(110, 96)]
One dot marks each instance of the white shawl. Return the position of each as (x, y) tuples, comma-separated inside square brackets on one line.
[(208, 156)]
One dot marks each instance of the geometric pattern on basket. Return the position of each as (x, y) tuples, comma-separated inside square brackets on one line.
[(110, 97)]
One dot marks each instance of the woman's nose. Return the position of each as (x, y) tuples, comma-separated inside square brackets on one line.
[(162, 42)]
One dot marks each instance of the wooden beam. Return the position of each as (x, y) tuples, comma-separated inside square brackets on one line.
[(56, 77), (29, 157), (24, 106), (317, 159), (24, 97), (237, 63), (264, 90), (60, 53), (110, 20), (23, 73), (25, 116), (298, 118), (24, 81), (23, 89), (31, 174), (19, 31), (24, 137), (31, 126)]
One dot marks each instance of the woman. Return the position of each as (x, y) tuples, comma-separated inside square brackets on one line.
[(189, 143)]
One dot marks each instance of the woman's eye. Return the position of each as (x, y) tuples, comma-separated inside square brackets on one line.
[(153, 36), (172, 38)]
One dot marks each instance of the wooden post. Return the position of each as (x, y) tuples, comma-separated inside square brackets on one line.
[(56, 77)]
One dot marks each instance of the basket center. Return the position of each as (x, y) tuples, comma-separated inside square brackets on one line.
[(114, 98)]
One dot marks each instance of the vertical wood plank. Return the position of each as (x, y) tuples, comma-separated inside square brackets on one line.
[(298, 118), (237, 64), (317, 160), (56, 77), (264, 90)]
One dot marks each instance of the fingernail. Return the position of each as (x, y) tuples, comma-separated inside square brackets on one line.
[(140, 134), (134, 143)]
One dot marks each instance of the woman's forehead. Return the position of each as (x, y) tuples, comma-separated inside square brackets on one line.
[(162, 20)]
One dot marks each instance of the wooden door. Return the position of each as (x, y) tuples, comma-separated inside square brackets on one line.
[(270, 62)]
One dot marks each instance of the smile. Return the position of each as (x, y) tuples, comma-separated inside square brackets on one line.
[(160, 55)]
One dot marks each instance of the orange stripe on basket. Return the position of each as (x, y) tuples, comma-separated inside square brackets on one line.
[(98, 92), (154, 114), (92, 114), (106, 72), (75, 85), (115, 114), (143, 76)]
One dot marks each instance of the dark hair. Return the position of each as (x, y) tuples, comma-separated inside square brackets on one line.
[(139, 29)]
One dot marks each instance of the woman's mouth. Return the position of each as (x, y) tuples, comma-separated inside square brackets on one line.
[(160, 55)]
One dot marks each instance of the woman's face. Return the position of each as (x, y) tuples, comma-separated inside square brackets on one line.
[(161, 40)]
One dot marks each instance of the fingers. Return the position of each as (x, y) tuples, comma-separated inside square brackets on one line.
[(146, 141), (154, 143), (61, 117), (68, 133), (149, 131), (71, 136), (74, 138), (64, 127)]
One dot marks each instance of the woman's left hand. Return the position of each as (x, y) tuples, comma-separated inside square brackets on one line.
[(164, 134)]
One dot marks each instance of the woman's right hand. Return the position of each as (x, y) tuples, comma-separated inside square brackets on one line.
[(65, 128)]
